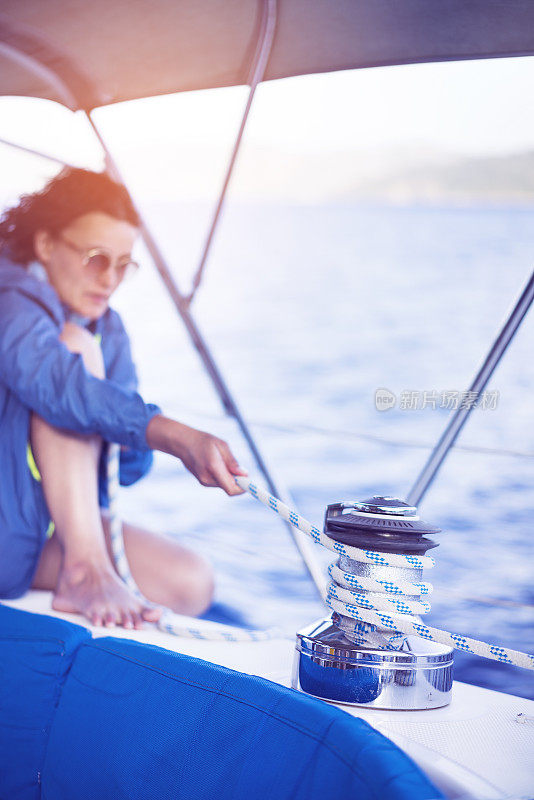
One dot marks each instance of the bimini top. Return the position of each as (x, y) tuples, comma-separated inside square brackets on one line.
[(88, 54)]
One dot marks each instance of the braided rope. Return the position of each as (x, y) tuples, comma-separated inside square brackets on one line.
[(376, 609), (351, 581), (365, 556), (169, 622), (372, 610)]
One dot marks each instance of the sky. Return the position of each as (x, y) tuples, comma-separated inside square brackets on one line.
[(474, 108)]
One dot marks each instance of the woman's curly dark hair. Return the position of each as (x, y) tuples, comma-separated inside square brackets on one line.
[(69, 195)]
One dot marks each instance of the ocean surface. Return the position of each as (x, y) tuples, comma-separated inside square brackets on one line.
[(308, 311)]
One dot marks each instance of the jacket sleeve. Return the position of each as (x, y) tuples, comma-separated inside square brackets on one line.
[(53, 382), (120, 368)]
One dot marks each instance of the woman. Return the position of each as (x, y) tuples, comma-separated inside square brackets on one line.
[(67, 387)]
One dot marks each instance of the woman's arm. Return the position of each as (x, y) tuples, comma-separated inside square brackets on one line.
[(120, 368), (208, 458), (53, 382)]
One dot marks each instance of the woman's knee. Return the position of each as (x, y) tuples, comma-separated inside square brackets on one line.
[(199, 586), (165, 571), (79, 340), (189, 584)]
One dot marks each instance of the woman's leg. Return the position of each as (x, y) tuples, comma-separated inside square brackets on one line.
[(68, 464), (165, 572)]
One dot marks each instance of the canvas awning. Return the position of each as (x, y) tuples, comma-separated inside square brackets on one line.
[(87, 54)]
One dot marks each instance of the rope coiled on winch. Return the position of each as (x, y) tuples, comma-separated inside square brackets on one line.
[(397, 621), (375, 609)]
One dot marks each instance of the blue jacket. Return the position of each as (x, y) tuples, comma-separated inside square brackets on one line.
[(38, 374)]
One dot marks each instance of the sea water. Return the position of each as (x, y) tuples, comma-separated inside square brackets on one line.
[(308, 312)]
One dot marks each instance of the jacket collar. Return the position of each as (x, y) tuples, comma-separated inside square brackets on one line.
[(16, 276), (32, 281), (37, 270)]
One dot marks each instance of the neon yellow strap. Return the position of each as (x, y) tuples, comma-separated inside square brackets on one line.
[(31, 463)]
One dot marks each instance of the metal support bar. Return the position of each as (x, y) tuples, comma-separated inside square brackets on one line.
[(36, 153), (259, 63), (303, 544), (42, 72), (478, 384)]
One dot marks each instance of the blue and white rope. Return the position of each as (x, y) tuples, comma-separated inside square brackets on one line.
[(350, 581), (379, 606), (169, 622), (375, 608)]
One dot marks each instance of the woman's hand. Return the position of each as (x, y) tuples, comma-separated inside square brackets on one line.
[(208, 458)]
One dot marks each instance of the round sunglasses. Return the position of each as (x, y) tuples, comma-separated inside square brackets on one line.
[(98, 260)]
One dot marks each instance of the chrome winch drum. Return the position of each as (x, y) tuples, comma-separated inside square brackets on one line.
[(346, 661)]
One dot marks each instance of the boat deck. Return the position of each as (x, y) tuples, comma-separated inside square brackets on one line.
[(476, 747)]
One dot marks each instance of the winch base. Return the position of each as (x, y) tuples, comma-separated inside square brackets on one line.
[(329, 666)]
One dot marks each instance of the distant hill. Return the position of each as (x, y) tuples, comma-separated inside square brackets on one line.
[(404, 176), (504, 179)]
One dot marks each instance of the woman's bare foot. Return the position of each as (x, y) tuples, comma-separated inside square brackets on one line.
[(93, 589)]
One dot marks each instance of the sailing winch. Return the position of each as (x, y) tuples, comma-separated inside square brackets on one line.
[(377, 609), (346, 659)]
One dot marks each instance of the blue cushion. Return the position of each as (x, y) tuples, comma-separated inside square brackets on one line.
[(137, 721), (113, 718), (36, 652)]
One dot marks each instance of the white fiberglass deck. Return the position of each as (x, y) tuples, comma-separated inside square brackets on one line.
[(476, 747)]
